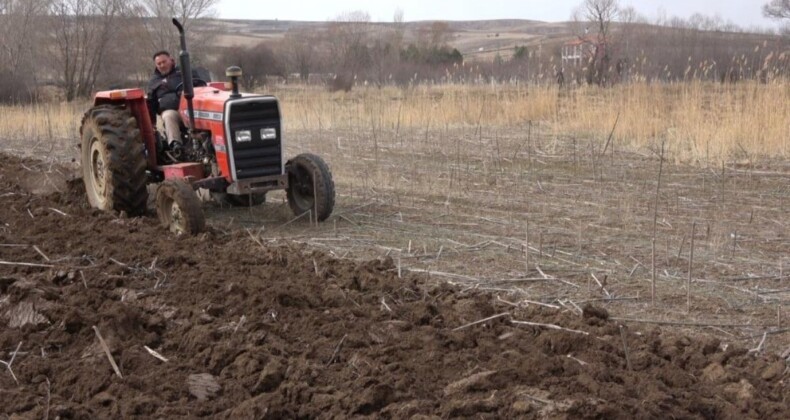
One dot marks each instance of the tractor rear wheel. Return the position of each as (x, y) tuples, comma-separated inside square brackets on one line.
[(178, 208), (310, 186), (113, 160)]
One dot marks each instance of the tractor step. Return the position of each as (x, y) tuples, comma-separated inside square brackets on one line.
[(183, 170)]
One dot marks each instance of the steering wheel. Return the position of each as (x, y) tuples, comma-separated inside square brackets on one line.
[(195, 83)]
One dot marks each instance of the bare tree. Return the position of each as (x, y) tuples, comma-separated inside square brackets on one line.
[(20, 21), (438, 34), (777, 9), (83, 30), (159, 15), (600, 14), (385, 48), (258, 62), (18, 30), (299, 47), (349, 36)]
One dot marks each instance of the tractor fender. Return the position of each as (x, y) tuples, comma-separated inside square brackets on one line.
[(134, 100)]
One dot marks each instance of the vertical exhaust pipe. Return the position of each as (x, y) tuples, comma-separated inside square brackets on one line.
[(186, 75)]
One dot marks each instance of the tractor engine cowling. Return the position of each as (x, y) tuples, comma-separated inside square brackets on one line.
[(254, 137)]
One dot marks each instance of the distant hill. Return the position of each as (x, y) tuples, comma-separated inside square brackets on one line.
[(479, 39), (476, 40)]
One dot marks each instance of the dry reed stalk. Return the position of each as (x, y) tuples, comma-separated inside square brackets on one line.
[(708, 121)]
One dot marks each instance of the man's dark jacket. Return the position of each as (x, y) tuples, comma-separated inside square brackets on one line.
[(164, 92)]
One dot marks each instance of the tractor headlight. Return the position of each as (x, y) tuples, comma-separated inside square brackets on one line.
[(243, 136), (268, 133)]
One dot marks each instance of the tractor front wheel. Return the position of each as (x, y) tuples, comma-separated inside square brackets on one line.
[(178, 208), (113, 160), (310, 186)]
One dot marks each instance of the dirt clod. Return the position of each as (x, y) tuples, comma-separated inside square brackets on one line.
[(591, 311), (203, 386)]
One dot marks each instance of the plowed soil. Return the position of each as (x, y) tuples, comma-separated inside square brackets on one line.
[(288, 332)]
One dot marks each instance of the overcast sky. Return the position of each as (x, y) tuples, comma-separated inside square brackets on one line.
[(745, 13)]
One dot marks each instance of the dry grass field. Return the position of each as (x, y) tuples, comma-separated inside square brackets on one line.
[(538, 194)]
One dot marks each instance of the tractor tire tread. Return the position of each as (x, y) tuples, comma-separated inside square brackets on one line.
[(117, 131), (182, 193), (325, 185)]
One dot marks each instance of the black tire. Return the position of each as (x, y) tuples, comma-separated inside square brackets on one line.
[(242, 200), (310, 186), (113, 160), (178, 208)]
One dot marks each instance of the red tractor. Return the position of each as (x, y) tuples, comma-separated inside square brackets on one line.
[(233, 147)]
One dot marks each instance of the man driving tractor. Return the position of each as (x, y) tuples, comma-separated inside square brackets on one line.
[(164, 96)]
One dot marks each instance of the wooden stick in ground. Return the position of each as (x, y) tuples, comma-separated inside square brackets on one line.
[(691, 263), (107, 352)]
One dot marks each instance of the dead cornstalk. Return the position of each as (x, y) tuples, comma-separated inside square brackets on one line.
[(549, 326), (625, 348), (337, 350), (106, 349), (482, 321), (529, 144), (11, 362), (315, 198), (526, 251), (653, 273), (655, 222), (609, 140), (691, 264), (49, 397)]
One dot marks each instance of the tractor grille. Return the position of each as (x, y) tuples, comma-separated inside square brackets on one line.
[(257, 157)]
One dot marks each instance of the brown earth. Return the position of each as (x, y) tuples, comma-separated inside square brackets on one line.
[(282, 332)]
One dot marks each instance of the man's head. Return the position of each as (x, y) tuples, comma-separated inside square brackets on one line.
[(164, 62)]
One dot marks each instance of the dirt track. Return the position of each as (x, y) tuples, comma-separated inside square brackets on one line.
[(254, 332)]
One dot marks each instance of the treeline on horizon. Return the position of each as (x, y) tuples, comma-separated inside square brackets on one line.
[(75, 47)]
